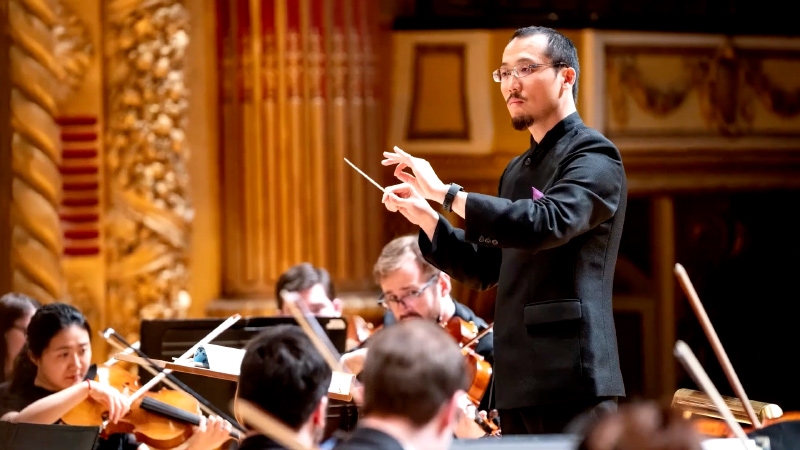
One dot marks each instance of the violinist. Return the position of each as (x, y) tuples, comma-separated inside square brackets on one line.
[(316, 290), (412, 288), (52, 375), (413, 381), (283, 374)]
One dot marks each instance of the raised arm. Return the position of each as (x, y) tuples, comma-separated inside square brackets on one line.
[(587, 194)]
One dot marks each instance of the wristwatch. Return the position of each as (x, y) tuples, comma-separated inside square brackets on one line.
[(450, 196)]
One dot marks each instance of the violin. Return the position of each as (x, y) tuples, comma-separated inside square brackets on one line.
[(358, 330), (479, 371), (162, 419)]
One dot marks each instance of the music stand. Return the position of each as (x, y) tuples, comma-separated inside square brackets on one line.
[(26, 436), (164, 339)]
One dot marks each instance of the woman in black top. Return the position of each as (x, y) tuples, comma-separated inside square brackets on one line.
[(52, 376)]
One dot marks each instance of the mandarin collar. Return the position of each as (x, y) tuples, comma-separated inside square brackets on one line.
[(557, 132)]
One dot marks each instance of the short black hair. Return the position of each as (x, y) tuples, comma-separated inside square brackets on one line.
[(560, 50), (284, 374), (303, 276)]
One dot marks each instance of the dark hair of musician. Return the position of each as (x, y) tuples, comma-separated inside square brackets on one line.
[(12, 306), (413, 368), (642, 426), (284, 374), (47, 322), (301, 277)]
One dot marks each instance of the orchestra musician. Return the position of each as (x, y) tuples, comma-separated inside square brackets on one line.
[(16, 310), (284, 375), (413, 381), (316, 290), (413, 288), (52, 375)]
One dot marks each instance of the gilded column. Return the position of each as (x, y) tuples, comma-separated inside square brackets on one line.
[(36, 242), (149, 214)]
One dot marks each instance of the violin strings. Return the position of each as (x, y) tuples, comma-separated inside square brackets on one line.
[(178, 382)]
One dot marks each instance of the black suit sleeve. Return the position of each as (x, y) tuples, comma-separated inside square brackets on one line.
[(586, 195), (476, 266)]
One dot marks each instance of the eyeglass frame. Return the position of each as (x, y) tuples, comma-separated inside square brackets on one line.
[(23, 330), (383, 301), (532, 66)]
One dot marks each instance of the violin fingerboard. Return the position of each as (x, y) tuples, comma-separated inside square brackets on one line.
[(169, 411)]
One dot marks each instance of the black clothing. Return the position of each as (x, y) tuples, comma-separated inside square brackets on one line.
[(549, 242), (26, 393), (569, 418), (369, 438), (259, 442)]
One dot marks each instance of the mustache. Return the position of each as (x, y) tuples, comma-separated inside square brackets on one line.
[(515, 95)]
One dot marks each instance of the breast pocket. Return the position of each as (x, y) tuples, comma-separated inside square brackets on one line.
[(552, 311)]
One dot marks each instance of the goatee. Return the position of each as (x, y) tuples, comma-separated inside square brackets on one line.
[(521, 122)]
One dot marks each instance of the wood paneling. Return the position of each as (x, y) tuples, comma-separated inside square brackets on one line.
[(298, 96)]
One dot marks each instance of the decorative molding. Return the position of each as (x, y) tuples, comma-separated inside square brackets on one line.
[(471, 104), (149, 216), (36, 243)]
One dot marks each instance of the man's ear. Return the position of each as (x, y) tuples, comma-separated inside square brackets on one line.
[(569, 78), (445, 284), (338, 305), (448, 415), (320, 412)]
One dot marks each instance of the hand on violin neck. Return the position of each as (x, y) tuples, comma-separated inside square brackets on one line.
[(210, 434)]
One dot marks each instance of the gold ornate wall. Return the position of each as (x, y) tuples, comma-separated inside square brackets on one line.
[(36, 242)]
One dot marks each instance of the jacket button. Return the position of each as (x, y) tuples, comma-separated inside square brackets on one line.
[(480, 239), (527, 161), (494, 241)]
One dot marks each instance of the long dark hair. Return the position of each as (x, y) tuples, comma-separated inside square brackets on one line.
[(47, 322), (12, 306)]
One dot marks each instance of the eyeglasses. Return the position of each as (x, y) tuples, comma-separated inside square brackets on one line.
[(520, 71), (389, 300), (23, 330)]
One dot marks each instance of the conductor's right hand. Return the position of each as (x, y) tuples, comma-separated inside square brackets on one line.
[(405, 199)]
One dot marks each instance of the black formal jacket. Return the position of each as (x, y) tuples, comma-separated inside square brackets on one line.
[(549, 242)]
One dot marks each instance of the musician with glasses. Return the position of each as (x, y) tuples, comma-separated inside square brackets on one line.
[(548, 241), (412, 288)]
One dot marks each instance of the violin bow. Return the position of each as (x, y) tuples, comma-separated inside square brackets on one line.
[(727, 367), (166, 374), (170, 379), (319, 338), (479, 336), (123, 350), (267, 425), (699, 375), (313, 329)]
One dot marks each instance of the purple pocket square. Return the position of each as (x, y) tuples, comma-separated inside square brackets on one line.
[(537, 194)]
